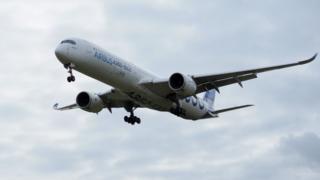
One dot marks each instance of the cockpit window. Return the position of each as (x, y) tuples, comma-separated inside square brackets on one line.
[(68, 41)]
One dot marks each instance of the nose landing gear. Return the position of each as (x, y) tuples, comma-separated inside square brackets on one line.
[(70, 78)]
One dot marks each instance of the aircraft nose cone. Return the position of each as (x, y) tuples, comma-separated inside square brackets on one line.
[(61, 54), (59, 51)]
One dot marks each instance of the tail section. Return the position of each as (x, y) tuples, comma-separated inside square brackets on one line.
[(209, 98), (214, 114)]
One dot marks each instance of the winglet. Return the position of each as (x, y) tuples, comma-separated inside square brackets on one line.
[(308, 60), (55, 106)]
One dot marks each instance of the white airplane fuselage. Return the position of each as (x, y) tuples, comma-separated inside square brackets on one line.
[(99, 64)]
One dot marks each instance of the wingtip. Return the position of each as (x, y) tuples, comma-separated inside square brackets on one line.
[(55, 106), (309, 60), (314, 56)]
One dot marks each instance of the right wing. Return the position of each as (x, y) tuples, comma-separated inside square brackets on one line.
[(215, 81)]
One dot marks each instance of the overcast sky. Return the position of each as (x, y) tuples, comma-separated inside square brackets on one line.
[(279, 138)]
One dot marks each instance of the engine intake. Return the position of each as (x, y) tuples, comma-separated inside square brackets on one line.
[(183, 85), (89, 102)]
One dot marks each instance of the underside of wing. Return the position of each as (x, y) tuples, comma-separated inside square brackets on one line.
[(208, 85), (116, 99), (160, 87)]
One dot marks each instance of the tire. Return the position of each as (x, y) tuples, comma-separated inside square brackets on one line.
[(138, 120)]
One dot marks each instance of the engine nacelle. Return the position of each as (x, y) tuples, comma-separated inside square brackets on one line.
[(89, 102), (183, 85)]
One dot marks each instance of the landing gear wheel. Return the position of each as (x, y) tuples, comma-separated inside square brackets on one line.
[(132, 119), (137, 120), (126, 119), (73, 78)]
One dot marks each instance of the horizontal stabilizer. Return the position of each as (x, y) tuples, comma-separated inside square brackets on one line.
[(231, 109)]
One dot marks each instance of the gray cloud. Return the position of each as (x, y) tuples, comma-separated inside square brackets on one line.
[(305, 148)]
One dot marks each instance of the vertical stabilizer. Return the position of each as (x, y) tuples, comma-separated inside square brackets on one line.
[(209, 97)]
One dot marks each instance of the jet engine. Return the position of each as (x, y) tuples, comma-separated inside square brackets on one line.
[(182, 85), (89, 102)]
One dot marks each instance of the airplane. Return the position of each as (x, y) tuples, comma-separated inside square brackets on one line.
[(135, 88)]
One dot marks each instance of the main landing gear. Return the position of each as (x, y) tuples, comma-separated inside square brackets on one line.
[(70, 78), (132, 119)]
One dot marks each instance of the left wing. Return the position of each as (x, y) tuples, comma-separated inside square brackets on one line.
[(111, 99), (215, 81)]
